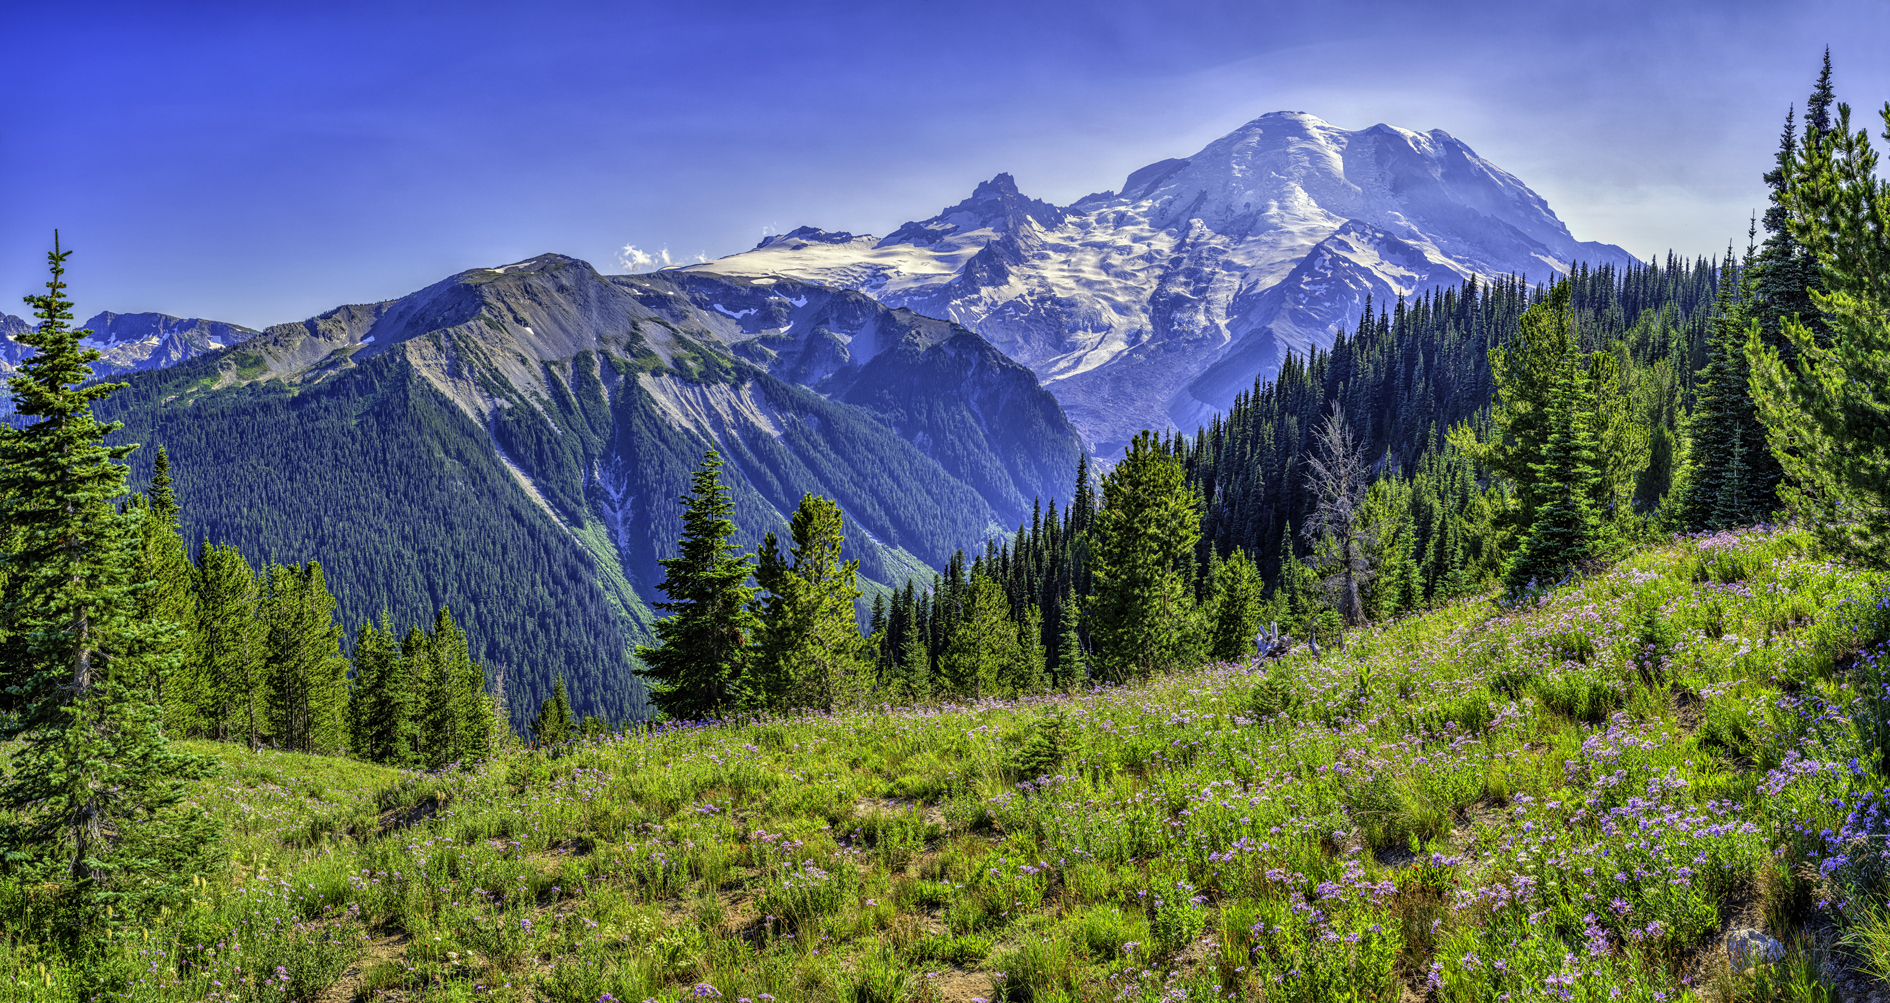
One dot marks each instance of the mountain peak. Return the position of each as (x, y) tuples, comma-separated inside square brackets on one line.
[(994, 205)]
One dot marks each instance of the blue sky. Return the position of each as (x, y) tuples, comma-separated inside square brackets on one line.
[(260, 162)]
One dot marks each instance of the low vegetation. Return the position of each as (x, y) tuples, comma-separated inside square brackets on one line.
[(1573, 796)]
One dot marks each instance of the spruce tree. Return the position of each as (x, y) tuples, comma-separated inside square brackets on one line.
[(1566, 528), (225, 671), (1235, 607), (1142, 616), (811, 654), (554, 724), (1072, 660), (306, 675), (97, 793), (455, 713), (696, 669), (1826, 409)]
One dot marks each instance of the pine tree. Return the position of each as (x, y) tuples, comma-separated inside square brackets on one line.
[(811, 654), (1141, 615), (306, 675), (98, 793), (697, 669), (554, 725), (1826, 409)]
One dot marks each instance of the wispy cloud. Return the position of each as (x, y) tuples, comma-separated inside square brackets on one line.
[(634, 259)]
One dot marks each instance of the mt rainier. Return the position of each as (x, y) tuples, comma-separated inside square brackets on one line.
[(1153, 306)]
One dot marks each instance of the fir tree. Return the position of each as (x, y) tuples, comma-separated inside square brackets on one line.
[(382, 704), (1072, 661), (983, 655), (307, 677), (1826, 409), (455, 713), (1235, 607), (811, 652), (1142, 615), (553, 725), (96, 790), (1734, 479), (697, 668), (225, 675), (1566, 528), (164, 567)]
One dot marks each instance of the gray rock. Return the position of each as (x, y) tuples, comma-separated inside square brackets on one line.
[(1749, 948)]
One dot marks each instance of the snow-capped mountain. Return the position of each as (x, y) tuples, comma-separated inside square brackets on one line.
[(1153, 306), (130, 342)]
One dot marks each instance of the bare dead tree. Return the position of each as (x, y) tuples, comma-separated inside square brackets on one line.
[(1343, 540)]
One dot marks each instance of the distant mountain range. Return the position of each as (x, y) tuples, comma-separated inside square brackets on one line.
[(131, 342), (513, 442), (1153, 306)]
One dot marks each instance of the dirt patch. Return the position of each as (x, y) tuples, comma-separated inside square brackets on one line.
[(379, 951), (1689, 709), (955, 985)]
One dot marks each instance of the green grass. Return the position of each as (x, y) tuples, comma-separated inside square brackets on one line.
[(1578, 794)]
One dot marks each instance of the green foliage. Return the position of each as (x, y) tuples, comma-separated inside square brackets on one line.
[(1235, 607), (697, 668), (305, 675), (554, 725), (98, 796), (810, 654), (1143, 614), (1825, 412)]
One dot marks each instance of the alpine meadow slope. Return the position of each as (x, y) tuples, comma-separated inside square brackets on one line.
[(1153, 306), (512, 442)]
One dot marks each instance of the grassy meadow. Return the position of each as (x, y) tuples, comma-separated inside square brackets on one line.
[(1574, 797)]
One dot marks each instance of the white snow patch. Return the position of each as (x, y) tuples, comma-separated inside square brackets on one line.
[(725, 311), (797, 302), (369, 340)]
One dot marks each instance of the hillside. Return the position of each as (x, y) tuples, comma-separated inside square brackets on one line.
[(512, 442), (1577, 797), (1152, 306)]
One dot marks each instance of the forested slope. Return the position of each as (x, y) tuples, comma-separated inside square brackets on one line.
[(512, 443)]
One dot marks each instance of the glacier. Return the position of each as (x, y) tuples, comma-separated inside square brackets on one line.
[(1154, 305)]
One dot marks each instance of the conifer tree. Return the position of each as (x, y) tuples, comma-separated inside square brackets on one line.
[(1142, 616), (1336, 475), (96, 790), (225, 674), (912, 678), (1566, 527), (165, 566), (382, 704), (306, 675), (455, 712), (1072, 661), (1734, 478), (811, 654), (697, 669), (1236, 606), (1826, 410), (554, 724), (982, 657)]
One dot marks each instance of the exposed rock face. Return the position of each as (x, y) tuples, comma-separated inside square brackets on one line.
[(1154, 306)]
